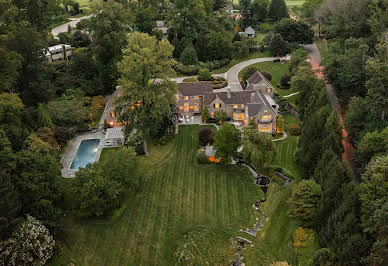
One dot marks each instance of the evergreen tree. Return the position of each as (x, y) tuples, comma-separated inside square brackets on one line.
[(189, 55), (278, 10), (278, 46)]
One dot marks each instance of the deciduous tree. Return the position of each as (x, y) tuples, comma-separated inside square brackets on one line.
[(227, 140)]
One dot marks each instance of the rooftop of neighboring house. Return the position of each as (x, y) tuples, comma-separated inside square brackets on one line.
[(58, 47), (195, 88), (249, 30)]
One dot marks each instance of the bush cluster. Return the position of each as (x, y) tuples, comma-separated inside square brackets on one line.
[(193, 69), (295, 130)]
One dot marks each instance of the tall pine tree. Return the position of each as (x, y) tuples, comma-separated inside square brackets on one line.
[(278, 10)]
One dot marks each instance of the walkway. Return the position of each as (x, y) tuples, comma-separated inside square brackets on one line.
[(315, 61), (63, 28), (290, 95)]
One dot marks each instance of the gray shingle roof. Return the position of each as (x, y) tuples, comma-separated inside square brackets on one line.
[(195, 88), (237, 97)]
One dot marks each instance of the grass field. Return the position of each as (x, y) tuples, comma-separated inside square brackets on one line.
[(182, 209), (293, 3)]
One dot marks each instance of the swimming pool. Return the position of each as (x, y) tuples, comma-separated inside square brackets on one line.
[(86, 153)]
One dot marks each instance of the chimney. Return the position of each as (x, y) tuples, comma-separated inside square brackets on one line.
[(252, 97), (229, 92)]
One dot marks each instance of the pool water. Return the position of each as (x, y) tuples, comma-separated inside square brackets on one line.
[(86, 153)]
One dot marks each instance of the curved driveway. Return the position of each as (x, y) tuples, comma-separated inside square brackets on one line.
[(232, 74), (63, 28)]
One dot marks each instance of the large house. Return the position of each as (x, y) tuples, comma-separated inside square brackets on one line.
[(111, 116), (254, 103), (58, 52)]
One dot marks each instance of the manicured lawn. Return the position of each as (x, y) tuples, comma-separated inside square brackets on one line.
[(182, 208), (239, 60), (276, 69), (292, 3), (274, 241)]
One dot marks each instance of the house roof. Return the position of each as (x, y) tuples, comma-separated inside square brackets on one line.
[(256, 77), (195, 88), (254, 108), (236, 97), (249, 30)]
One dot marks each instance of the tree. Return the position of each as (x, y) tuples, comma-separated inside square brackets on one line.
[(204, 75), (304, 201), (44, 119), (259, 9), (280, 124), (278, 10), (220, 116), (30, 244), (298, 58), (266, 74), (278, 46), (258, 148), (204, 115), (323, 257), (285, 81), (148, 94), (101, 187), (248, 72), (10, 63), (189, 55), (109, 27), (294, 31), (206, 136), (227, 140), (374, 192), (219, 4), (372, 144)]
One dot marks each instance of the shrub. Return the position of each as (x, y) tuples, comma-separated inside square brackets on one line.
[(187, 70), (277, 60), (204, 75), (300, 239), (266, 74), (206, 136), (265, 27), (201, 157), (190, 80), (285, 80), (249, 72), (136, 141), (30, 244), (189, 55), (63, 134), (295, 130), (220, 116)]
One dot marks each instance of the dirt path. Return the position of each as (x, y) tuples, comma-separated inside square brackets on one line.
[(315, 61)]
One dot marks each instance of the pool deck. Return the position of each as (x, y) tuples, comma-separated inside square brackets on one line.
[(71, 150)]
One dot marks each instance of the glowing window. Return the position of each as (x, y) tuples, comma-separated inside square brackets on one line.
[(112, 114), (196, 107), (212, 114), (217, 105), (268, 89), (242, 106), (186, 107), (186, 98), (235, 106), (196, 97)]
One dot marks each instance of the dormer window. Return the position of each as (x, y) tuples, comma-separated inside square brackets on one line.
[(217, 106)]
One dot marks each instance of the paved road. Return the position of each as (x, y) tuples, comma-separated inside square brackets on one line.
[(315, 60), (232, 74), (64, 27)]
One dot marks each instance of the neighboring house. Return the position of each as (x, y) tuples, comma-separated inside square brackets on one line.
[(58, 52), (161, 26), (111, 116), (258, 82), (240, 106), (249, 32), (190, 96)]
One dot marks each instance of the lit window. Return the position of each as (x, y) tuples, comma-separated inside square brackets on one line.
[(212, 114), (217, 106), (186, 107), (186, 98), (196, 97), (268, 90), (235, 106), (196, 107), (112, 114), (242, 106)]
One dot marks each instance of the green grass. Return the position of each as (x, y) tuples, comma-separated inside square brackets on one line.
[(239, 60), (293, 3), (276, 69), (323, 48), (181, 207), (274, 241)]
